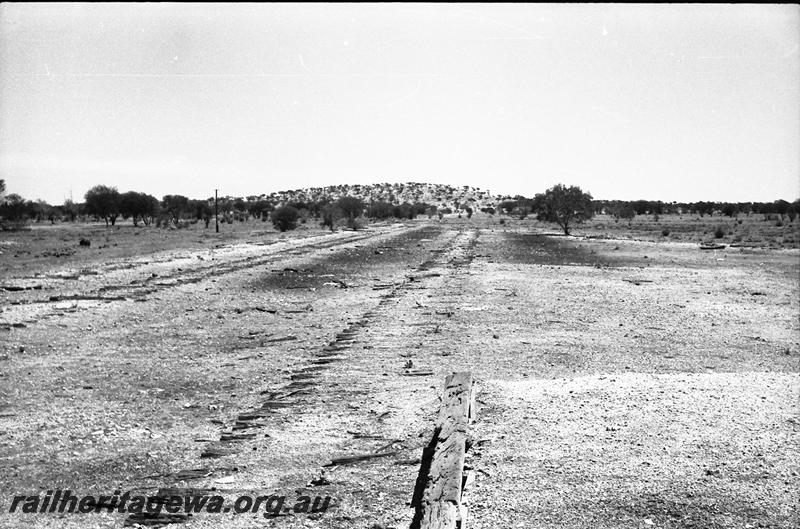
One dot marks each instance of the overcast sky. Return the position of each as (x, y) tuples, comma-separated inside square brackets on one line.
[(669, 102)]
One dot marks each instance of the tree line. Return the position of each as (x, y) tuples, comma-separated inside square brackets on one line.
[(106, 203), (567, 206), (560, 204), (622, 209)]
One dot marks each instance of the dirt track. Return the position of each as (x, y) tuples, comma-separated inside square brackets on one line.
[(615, 390)]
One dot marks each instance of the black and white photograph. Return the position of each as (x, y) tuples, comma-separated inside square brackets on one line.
[(399, 265)]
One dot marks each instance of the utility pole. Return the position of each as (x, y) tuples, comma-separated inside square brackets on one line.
[(216, 212)]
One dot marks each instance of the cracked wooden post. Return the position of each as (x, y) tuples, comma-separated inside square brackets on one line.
[(440, 505)]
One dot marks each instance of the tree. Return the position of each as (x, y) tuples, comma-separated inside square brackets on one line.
[(129, 206), (103, 201), (315, 207), (640, 207), (379, 210), (420, 208), (656, 207), (201, 210), (151, 207), (138, 206), (70, 209), (240, 205), (40, 210), (285, 218), (523, 207), (13, 208), (507, 206), (351, 207), (781, 207), (564, 206), (259, 209), (627, 212), (794, 210), (703, 207), (404, 211), (728, 209), (175, 206)]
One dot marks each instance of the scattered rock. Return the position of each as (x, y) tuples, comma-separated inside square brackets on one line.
[(319, 481)]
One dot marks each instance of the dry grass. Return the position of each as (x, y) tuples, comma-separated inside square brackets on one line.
[(743, 230), (45, 246)]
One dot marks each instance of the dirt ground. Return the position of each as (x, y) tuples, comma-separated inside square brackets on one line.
[(621, 383)]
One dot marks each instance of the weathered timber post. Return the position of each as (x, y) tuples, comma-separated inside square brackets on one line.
[(439, 505)]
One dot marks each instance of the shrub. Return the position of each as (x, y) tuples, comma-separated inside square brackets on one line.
[(15, 225), (664, 232), (351, 208), (285, 218), (719, 232), (330, 215), (379, 210)]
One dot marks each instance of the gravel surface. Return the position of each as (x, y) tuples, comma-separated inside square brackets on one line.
[(614, 390)]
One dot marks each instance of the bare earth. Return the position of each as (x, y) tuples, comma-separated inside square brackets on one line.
[(621, 383)]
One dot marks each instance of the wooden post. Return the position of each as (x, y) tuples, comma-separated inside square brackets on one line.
[(440, 505), (216, 212)]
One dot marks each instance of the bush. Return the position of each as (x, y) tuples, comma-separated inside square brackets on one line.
[(351, 208), (15, 225), (665, 232), (285, 218), (719, 232), (330, 215), (379, 210)]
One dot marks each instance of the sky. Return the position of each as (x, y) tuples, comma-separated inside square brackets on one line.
[(660, 102)]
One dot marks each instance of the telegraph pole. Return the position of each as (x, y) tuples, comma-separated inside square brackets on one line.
[(216, 212)]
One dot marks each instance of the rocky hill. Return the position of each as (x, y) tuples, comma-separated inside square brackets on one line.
[(439, 195)]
